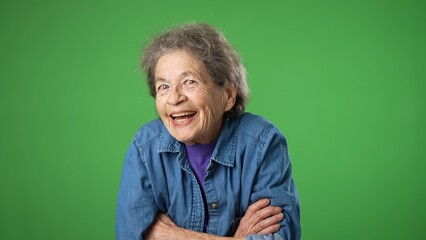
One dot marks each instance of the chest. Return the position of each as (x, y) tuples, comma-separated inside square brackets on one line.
[(178, 193)]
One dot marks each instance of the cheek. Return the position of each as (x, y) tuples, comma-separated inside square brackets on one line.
[(213, 106), (207, 99)]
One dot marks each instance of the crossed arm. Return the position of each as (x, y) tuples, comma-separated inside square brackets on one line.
[(260, 218)]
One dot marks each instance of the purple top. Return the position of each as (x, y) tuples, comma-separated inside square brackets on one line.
[(199, 156)]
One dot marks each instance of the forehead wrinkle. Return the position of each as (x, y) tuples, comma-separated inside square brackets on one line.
[(193, 68), (186, 74)]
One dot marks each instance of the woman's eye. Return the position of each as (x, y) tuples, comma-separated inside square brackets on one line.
[(162, 87), (190, 81)]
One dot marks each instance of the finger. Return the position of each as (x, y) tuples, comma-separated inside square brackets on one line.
[(253, 208), (271, 229), (248, 221), (265, 213), (262, 219), (267, 222)]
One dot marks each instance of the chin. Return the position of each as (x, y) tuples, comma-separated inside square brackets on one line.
[(184, 139)]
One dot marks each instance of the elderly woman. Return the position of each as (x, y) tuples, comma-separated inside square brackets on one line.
[(204, 169)]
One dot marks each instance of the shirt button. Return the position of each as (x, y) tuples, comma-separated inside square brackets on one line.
[(213, 205)]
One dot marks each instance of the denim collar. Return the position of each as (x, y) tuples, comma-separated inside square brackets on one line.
[(224, 152)]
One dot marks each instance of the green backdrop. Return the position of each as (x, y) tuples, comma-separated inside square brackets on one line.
[(344, 81)]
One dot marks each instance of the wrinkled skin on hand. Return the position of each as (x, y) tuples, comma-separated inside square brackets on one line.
[(260, 218), (163, 227)]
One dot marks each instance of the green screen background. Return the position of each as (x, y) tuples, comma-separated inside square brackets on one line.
[(343, 80)]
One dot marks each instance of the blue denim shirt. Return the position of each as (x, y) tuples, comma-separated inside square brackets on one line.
[(250, 162)]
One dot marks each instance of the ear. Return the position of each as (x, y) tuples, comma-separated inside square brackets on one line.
[(231, 96)]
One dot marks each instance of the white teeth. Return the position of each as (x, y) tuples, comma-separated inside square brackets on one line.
[(181, 121), (182, 114)]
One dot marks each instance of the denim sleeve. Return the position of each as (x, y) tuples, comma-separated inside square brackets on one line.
[(274, 181), (136, 208)]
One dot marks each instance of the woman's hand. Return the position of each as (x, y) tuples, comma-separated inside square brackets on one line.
[(163, 227), (260, 218)]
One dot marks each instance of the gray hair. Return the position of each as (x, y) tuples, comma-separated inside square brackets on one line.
[(210, 46)]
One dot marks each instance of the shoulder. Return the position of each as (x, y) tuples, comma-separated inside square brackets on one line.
[(149, 132), (258, 127)]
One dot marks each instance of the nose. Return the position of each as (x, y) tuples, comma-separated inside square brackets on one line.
[(175, 95)]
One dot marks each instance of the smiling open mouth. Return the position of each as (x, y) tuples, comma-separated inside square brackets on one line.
[(182, 117)]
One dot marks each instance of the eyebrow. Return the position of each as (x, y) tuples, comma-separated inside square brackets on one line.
[(182, 75)]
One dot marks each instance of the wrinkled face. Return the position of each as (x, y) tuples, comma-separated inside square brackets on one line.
[(190, 104)]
